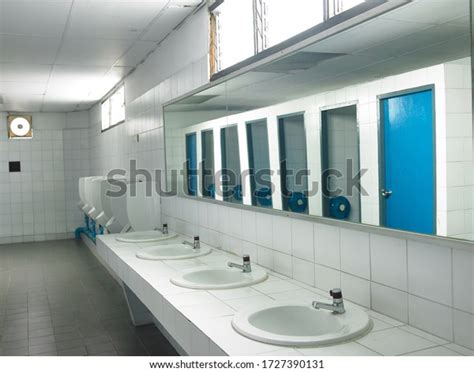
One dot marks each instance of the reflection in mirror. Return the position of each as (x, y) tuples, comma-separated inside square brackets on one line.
[(259, 163), (191, 164), (231, 176), (293, 163), (340, 159), (208, 169), (371, 124), (407, 161)]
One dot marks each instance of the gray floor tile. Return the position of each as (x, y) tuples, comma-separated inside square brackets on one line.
[(42, 348), (57, 299), (69, 344), (41, 340), (41, 332), (76, 351)]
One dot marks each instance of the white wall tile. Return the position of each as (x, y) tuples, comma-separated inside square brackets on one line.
[(327, 278), (249, 226), (327, 245), (389, 301), (389, 261), (303, 271), (464, 329), (282, 264), (303, 240), (356, 289), (264, 230), (431, 317), (265, 257), (429, 272), (355, 258), (281, 234), (463, 280)]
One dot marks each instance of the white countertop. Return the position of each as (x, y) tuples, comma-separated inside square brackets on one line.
[(200, 320)]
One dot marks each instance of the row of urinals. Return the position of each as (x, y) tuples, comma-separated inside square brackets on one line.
[(110, 204)]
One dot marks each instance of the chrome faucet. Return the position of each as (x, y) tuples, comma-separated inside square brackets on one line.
[(163, 230), (196, 244), (337, 306), (246, 267)]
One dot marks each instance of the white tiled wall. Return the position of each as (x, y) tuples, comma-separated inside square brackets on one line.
[(39, 202), (428, 286)]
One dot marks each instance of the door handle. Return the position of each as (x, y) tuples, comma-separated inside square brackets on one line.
[(386, 193)]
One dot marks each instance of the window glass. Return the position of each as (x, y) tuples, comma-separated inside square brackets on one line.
[(235, 32), (105, 115), (286, 19), (113, 109)]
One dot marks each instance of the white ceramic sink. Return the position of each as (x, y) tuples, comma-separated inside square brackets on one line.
[(217, 278), (300, 325), (144, 237), (171, 252)]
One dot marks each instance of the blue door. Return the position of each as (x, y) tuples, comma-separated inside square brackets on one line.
[(191, 164), (408, 168)]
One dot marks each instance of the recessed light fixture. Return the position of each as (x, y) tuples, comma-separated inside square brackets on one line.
[(20, 126)]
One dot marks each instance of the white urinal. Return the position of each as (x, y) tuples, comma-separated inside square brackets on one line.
[(89, 195), (97, 210), (87, 203), (118, 206), (82, 203), (108, 219), (144, 216)]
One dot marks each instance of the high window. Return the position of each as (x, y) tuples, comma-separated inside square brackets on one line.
[(243, 28), (113, 109)]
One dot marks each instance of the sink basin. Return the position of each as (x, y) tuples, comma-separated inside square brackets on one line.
[(300, 325), (171, 252), (216, 278), (144, 237)]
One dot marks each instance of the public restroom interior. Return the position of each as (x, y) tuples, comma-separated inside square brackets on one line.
[(206, 177)]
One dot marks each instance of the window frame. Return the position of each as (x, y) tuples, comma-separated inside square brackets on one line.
[(108, 99), (329, 21)]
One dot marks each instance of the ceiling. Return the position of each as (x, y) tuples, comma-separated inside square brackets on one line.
[(65, 55), (419, 34)]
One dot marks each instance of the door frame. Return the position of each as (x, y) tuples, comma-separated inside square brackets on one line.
[(381, 148), (323, 144), (282, 153)]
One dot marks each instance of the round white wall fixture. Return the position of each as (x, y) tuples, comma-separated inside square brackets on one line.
[(20, 127)]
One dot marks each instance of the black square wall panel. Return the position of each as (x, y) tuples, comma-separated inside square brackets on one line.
[(14, 166)]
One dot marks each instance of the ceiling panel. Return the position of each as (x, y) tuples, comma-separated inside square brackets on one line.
[(136, 53), (97, 52), (112, 20), (77, 50), (163, 25), (22, 88), (38, 18), (24, 72), (24, 49), (69, 84), (101, 87)]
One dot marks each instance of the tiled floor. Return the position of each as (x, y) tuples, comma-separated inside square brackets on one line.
[(57, 299)]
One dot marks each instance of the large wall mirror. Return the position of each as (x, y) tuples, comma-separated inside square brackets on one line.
[(370, 125)]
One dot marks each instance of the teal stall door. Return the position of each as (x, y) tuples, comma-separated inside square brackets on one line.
[(408, 191)]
